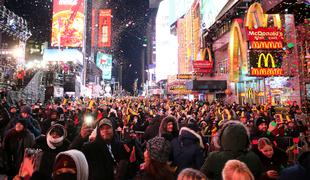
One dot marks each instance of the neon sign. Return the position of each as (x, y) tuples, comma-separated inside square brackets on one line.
[(265, 69), (266, 45)]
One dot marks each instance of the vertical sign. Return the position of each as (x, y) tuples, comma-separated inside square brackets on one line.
[(104, 62), (68, 23), (104, 38)]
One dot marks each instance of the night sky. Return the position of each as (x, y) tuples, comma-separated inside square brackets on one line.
[(129, 24)]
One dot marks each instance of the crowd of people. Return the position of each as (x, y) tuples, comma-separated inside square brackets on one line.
[(152, 138)]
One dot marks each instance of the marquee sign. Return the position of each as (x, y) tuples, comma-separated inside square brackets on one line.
[(264, 63), (265, 45), (265, 34)]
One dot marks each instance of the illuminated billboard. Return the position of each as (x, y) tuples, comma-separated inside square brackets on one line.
[(266, 63), (104, 62), (68, 23), (104, 37)]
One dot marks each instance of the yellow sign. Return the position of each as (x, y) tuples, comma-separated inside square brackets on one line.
[(266, 70), (266, 58), (257, 18), (250, 93)]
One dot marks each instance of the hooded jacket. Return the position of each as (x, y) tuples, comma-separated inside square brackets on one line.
[(163, 128), (234, 143), (187, 149), (80, 162), (49, 153)]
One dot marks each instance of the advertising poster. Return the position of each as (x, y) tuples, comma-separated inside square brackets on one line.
[(105, 28), (104, 62), (68, 23)]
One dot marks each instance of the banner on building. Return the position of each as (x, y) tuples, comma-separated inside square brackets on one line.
[(105, 28), (104, 62), (68, 23)]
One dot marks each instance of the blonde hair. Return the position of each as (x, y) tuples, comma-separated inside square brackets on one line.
[(191, 174), (236, 170)]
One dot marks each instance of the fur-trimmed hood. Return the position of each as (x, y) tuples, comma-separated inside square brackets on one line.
[(163, 126), (187, 133)]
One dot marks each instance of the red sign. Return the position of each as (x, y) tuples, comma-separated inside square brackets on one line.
[(266, 45), (265, 34), (68, 23), (93, 22), (203, 64), (266, 72), (104, 38)]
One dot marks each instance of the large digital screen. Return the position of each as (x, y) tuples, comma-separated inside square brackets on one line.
[(104, 62), (68, 23), (104, 38)]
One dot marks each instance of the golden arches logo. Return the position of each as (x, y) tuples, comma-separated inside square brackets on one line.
[(257, 17), (250, 93), (237, 52), (266, 58)]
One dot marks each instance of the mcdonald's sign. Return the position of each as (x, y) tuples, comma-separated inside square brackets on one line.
[(265, 63), (265, 34), (266, 45), (250, 93)]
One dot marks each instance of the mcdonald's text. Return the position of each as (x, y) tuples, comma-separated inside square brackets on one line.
[(265, 34), (266, 72)]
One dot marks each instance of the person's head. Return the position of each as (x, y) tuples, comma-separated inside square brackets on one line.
[(191, 174), (262, 124), (265, 147), (13, 109), (54, 116), (70, 165), (233, 136), (106, 129), (236, 170), (55, 136), (20, 125), (169, 125), (25, 111), (157, 149)]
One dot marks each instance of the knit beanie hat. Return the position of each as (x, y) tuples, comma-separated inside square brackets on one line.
[(25, 109), (261, 120), (159, 149)]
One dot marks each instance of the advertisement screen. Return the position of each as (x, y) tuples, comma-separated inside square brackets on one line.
[(104, 62), (104, 38), (68, 23)]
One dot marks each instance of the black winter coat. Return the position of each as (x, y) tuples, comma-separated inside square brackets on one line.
[(100, 162), (234, 143), (49, 155), (187, 150)]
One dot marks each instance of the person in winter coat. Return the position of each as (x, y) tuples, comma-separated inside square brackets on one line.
[(14, 144), (69, 165), (53, 143), (187, 150), (106, 156), (300, 171), (31, 124), (233, 139), (153, 128), (273, 159), (4, 120), (168, 128), (156, 157), (52, 119)]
